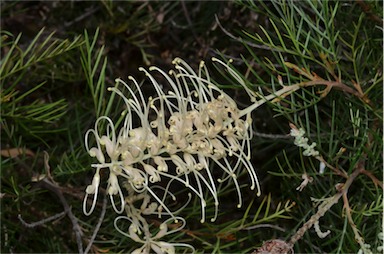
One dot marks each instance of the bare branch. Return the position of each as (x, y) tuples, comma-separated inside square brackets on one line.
[(103, 209), (239, 39), (40, 222)]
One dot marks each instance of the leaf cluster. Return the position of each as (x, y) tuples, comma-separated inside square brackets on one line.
[(308, 41)]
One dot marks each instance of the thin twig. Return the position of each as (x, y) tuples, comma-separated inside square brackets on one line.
[(325, 206), (334, 84), (334, 169), (375, 181), (40, 222), (239, 39), (317, 80), (272, 136), (50, 184), (88, 13), (347, 209), (264, 226), (47, 167), (186, 14), (368, 11), (358, 238), (103, 209), (47, 184)]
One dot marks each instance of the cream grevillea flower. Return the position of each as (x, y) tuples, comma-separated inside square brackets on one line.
[(172, 137), (193, 124), (105, 144), (150, 242), (138, 205)]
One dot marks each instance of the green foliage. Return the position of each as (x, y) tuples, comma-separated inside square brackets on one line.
[(54, 86), (26, 107), (309, 42), (31, 118)]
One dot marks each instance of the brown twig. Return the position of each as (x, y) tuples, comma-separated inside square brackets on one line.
[(323, 208), (239, 39), (40, 222), (347, 209), (337, 85), (264, 226), (326, 205), (375, 181), (334, 169), (317, 80), (49, 184), (88, 12), (98, 225), (368, 10)]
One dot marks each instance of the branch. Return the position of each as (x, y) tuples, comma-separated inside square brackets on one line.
[(375, 181), (317, 80), (239, 39), (104, 208), (47, 184), (326, 205), (40, 222)]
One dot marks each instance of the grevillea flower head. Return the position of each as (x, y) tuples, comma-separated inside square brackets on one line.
[(174, 137), (196, 123)]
